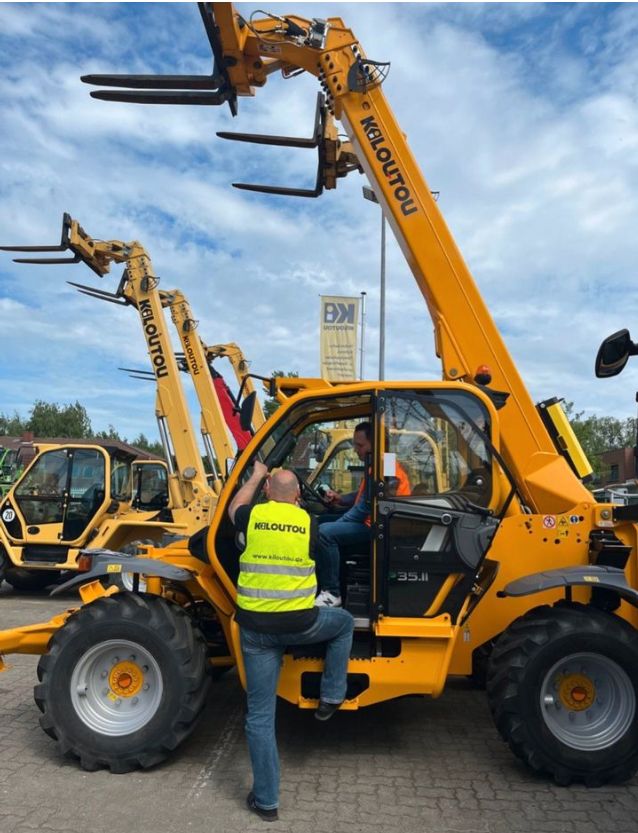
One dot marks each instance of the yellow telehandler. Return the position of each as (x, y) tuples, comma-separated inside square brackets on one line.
[(510, 549), (84, 494)]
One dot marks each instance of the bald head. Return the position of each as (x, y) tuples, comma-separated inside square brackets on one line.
[(283, 486)]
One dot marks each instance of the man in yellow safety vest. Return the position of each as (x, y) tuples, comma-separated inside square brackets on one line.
[(276, 592)]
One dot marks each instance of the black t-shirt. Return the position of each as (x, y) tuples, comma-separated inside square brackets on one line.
[(289, 621)]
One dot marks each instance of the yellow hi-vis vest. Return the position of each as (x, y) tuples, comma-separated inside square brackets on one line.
[(276, 573)]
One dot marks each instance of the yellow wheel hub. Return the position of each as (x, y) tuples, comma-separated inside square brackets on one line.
[(577, 692), (126, 679)]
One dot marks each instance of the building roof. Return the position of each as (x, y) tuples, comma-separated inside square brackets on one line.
[(29, 440)]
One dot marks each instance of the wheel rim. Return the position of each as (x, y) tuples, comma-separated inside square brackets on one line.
[(116, 687), (128, 580), (587, 701)]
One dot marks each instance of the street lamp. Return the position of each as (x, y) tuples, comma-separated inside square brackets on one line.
[(369, 194), (363, 334)]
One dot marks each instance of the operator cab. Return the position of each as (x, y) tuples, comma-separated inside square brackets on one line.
[(428, 543), (64, 495)]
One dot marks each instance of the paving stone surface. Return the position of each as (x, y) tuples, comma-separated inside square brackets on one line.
[(410, 766)]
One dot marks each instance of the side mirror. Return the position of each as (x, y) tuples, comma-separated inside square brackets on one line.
[(614, 353), (246, 412)]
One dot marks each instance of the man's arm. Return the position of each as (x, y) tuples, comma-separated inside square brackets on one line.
[(247, 491)]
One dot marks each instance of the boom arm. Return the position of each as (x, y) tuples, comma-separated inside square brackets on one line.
[(214, 424), (238, 362), (197, 358), (466, 336)]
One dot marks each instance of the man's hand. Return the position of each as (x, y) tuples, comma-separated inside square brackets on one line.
[(247, 491), (332, 498), (260, 470)]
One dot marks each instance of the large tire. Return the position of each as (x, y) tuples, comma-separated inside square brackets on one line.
[(480, 664), (4, 563), (30, 581), (563, 690), (123, 682)]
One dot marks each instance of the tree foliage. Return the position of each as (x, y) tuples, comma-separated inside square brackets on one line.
[(48, 420), (51, 420), (600, 434), (153, 447), (12, 426)]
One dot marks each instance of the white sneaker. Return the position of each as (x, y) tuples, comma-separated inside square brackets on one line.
[(327, 599)]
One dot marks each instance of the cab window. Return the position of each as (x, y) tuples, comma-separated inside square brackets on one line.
[(439, 442), (40, 495)]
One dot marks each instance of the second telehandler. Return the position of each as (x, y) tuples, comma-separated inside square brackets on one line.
[(83, 494)]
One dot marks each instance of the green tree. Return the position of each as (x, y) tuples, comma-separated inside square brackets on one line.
[(271, 404), (12, 426), (109, 434), (599, 434), (48, 419), (141, 441)]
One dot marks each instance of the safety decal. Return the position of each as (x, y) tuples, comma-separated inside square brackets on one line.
[(8, 515), (113, 568), (549, 521), (574, 519)]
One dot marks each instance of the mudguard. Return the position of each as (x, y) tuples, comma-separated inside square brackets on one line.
[(106, 562), (594, 576)]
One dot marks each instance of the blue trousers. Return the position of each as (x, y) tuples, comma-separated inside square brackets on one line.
[(332, 535), (263, 654)]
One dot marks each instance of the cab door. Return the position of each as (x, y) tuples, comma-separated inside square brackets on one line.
[(433, 500), (61, 493)]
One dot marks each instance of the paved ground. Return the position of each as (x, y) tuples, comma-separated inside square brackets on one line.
[(414, 766)]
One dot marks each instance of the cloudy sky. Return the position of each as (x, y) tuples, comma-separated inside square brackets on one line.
[(523, 116)]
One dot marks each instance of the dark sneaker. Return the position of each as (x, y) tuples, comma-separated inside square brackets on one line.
[(326, 710), (266, 815)]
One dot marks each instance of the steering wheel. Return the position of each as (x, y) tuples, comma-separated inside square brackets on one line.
[(307, 489)]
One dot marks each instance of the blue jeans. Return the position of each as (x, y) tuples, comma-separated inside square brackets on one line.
[(331, 537), (263, 654)]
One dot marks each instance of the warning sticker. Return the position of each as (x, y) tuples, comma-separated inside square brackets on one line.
[(549, 521), (574, 519)]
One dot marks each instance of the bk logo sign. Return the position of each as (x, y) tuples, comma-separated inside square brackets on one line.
[(338, 313)]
